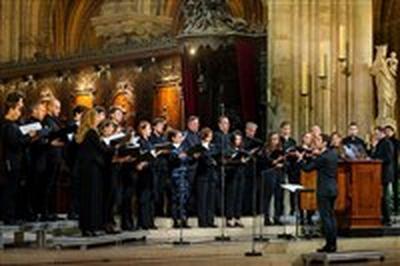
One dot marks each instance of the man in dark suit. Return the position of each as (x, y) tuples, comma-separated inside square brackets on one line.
[(13, 146), (289, 143), (390, 132), (384, 151), (250, 142), (192, 138), (37, 160), (354, 140), (160, 166), (326, 164), (221, 142), (54, 157)]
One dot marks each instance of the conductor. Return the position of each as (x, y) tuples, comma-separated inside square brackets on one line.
[(325, 163)]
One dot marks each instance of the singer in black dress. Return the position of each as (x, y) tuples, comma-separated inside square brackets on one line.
[(273, 175), (91, 168)]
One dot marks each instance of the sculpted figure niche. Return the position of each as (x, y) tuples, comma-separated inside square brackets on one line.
[(384, 71)]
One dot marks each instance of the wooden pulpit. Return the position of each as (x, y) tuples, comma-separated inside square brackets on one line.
[(358, 204)]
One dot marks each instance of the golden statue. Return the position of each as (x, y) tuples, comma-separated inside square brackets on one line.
[(384, 71)]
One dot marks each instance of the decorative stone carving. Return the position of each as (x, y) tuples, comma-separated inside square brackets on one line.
[(85, 87), (124, 96), (384, 70), (120, 22), (209, 23)]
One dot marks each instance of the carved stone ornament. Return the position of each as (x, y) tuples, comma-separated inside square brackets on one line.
[(120, 22), (209, 23)]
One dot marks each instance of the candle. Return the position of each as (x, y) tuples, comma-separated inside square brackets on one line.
[(342, 42), (322, 60), (304, 78)]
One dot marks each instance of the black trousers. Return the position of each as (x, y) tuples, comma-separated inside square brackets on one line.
[(161, 187), (234, 192), (273, 178), (53, 169), (191, 204), (128, 184), (8, 197), (386, 203), (145, 199), (75, 193), (326, 209), (206, 191)]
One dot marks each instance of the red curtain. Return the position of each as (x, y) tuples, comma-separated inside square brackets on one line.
[(246, 52), (190, 88)]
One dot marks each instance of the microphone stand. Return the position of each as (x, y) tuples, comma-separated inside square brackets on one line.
[(222, 237), (261, 237), (181, 242), (253, 252)]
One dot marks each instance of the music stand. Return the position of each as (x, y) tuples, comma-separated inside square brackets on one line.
[(222, 237), (261, 237), (296, 189), (181, 242), (253, 252)]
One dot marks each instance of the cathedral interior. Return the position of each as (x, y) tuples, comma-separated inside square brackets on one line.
[(309, 62), (129, 52)]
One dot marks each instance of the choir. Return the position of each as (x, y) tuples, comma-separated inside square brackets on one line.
[(156, 170)]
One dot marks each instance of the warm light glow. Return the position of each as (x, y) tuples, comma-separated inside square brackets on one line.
[(192, 51)]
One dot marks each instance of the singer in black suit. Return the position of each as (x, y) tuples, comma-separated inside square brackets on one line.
[(221, 142), (13, 145), (192, 138), (250, 142), (326, 164), (145, 180), (54, 157), (384, 151)]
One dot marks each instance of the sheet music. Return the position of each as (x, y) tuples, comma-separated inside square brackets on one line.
[(292, 187), (114, 137), (25, 129), (70, 136)]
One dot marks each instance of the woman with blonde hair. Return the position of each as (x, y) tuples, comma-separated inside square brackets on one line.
[(91, 167)]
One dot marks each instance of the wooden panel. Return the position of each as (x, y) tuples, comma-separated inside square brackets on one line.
[(342, 180), (358, 203), (366, 191), (308, 201), (167, 102)]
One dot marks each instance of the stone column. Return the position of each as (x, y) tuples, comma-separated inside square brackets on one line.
[(362, 97)]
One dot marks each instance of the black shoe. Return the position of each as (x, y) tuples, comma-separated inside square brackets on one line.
[(51, 217), (230, 223), (267, 222), (277, 222), (110, 230), (186, 225), (97, 233), (327, 249), (239, 224), (387, 223), (73, 216), (87, 234), (212, 226), (176, 225)]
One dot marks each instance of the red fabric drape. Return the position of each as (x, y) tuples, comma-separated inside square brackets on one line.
[(190, 88), (246, 61)]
